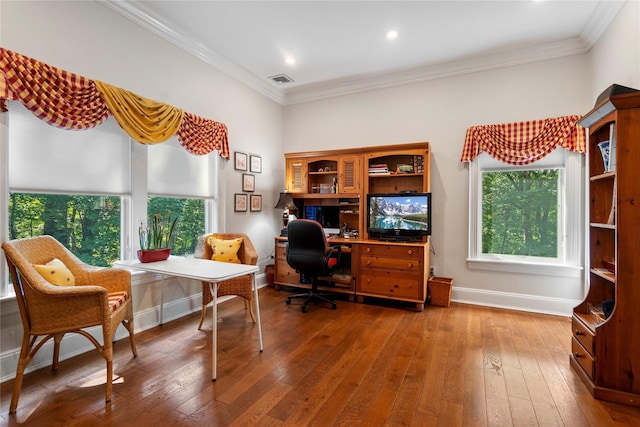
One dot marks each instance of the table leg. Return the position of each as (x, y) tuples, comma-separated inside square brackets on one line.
[(255, 294), (214, 332), (161, 299)]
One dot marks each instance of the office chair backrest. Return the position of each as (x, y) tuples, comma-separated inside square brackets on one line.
[(307, 249)]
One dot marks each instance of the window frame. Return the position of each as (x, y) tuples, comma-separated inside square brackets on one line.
[(571, 259), (133, 204)]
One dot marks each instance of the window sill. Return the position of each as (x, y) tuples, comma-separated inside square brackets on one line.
[(533, 268)]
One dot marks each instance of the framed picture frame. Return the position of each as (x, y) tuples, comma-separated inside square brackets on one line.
[(248, 182), (239, 161), (255, 163), (240, 202), (255, 202)]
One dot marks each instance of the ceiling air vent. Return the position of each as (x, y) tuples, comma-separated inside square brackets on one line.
[(281, 79)]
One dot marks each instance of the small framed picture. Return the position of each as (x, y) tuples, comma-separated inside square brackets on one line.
[(255, 163), (240, 161), (240, 202), (248, 182), (255, 204)]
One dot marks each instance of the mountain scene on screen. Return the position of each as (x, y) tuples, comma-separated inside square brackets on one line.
[(409, 214)]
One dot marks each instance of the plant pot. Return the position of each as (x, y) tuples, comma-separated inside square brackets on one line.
[(154, 255)]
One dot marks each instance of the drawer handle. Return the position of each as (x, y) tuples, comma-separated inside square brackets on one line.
[(409, 265), (410, 251), (368, 262), (578, 333), (368, 249), (577, 355)]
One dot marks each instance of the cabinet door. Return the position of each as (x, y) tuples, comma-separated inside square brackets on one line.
[(296, 176), (349, 171)]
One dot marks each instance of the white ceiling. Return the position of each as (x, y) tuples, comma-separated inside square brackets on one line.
[(340, 46)]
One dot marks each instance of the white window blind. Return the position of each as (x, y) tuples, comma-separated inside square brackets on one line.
[(44, 158), (173, 171)]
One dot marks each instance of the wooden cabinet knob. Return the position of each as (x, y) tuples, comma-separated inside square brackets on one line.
[(368, 249), (578, 332), (368, 262), (410, 251), (577, 355), (409, 265)]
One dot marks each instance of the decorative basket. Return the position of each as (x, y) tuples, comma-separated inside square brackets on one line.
[(440, 290), (154, 255)]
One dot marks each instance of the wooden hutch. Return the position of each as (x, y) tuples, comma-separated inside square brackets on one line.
[(606, 325), (341, 179)]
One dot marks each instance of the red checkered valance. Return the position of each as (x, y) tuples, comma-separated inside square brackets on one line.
[(69, 101), (522, 143)]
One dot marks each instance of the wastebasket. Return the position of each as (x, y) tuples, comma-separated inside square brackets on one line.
[(270, 270), (440, 290)]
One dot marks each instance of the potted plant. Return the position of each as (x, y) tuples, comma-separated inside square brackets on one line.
[(156, 239)]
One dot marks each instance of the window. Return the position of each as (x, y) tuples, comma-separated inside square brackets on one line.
[(190, 224), (519, 214), (89, 226)]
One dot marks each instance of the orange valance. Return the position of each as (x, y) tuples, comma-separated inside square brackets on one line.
[(69, 101), (522, 143)]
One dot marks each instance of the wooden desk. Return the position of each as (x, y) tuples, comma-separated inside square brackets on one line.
[(213, 272), (342, 278), (389, 270)]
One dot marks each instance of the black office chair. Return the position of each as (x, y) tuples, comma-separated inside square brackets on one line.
[(309, 253)]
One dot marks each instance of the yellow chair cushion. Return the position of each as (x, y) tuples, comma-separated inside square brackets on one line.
[(225, 250), (56, 273)]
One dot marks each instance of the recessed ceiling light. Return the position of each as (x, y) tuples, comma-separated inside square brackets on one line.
[(290, 60), (391, 34)]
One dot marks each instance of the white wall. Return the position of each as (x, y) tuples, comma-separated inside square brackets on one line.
[(616, 56), (440, 111)]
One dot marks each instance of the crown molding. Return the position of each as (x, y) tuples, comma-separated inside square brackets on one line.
[(137, 14), (334, 88), (595, 27)]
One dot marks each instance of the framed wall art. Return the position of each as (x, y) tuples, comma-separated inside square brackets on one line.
[(240, 161), (255, 204), (255, 163), (240, 202), (248, 182)]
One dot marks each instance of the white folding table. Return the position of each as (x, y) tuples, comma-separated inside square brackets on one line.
[(205, 270)]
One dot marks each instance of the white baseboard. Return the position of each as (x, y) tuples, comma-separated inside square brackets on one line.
[(513, 301)]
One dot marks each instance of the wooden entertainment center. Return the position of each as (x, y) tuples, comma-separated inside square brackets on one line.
[(342, 179)]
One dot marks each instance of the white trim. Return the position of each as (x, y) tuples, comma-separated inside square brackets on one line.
[(512, 301), (570, 236)]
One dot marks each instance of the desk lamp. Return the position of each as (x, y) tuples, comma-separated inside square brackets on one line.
[(285, 202)]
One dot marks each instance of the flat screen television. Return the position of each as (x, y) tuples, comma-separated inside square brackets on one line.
[(399, 216)]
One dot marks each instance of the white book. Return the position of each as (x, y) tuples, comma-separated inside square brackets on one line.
[(612, 148)]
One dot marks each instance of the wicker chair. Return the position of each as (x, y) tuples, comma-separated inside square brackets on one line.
[(240, 286), (101, 296)]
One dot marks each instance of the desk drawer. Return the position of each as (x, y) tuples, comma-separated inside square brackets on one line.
[(583, 357), (391, 284), (392, 251), (402, 264), (583, 335)]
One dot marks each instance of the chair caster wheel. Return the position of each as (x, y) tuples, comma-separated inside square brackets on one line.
[(288, 300), (304, 309)]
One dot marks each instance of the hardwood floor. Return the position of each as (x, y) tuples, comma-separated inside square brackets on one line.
[(363, 364)]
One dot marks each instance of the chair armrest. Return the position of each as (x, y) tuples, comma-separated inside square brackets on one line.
[(112, 279), (62, 307)]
